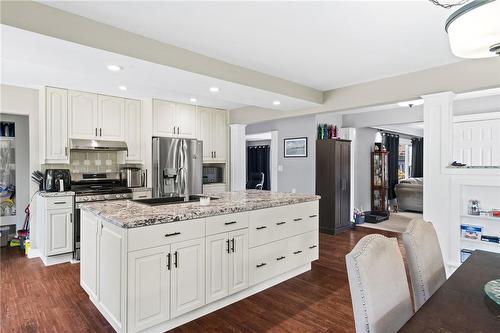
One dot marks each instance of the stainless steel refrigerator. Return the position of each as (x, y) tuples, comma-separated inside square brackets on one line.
[(177, 167)]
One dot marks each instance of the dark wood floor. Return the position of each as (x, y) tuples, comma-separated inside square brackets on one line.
[(35, 298)]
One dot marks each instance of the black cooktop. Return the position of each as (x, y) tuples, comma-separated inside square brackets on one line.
[(99, 186)]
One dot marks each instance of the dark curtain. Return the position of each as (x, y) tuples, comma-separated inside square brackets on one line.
[(417, 157), (258, 161), (392, 146)]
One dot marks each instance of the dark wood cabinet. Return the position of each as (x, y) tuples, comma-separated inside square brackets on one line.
[(333, 184)]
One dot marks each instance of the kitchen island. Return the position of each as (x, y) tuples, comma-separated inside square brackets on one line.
[(153, 268)]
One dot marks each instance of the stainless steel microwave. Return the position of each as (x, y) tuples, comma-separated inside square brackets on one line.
[(212, 174)]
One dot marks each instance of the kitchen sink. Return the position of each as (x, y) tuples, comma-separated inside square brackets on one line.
[(170, 200)]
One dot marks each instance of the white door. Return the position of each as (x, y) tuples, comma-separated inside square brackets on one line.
[(59, 231), (133, 125), (185, 115), (238, 260), (56, 125), (217, 252), (164, 118), (148, 287), (111, 118), (219, 135), (82, 115), (187, 288), (204, 131), (89, 236)]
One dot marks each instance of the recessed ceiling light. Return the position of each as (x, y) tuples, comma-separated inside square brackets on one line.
[(115, 68), (124, 88), (214, 89), (412, 103), (192, 100), (276, 102)]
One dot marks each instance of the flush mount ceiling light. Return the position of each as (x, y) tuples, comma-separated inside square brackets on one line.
[(412, 103), (276, 102), (114, 68), (124, 88), (192, 100), (474, 29), (214, 89)]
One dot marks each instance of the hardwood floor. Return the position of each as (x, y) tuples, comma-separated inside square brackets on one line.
[(35, 298)]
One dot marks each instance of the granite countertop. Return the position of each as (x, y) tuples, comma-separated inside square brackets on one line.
[(56, 194), (129, 214)]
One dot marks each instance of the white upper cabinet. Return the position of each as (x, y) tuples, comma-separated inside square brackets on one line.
[(93, 116), (133, 130), (83, 114), (111, 118), (212, 130), (56, 126), (174, 119)]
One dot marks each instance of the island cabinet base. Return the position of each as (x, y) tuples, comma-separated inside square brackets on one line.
[(154, 278)]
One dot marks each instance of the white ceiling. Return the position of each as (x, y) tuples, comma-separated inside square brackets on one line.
[(34, 60), (323, 45)]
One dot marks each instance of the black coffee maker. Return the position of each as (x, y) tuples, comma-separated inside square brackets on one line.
[(57, 180)]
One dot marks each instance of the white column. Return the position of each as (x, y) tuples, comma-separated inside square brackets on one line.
[(438, 122), (238, 157)]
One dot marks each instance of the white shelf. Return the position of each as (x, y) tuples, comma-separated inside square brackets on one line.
[(481, 217), (476, 244)]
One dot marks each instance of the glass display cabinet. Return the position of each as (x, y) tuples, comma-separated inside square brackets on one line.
[(379, 183)]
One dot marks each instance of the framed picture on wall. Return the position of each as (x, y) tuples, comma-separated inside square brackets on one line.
[(295, 147)]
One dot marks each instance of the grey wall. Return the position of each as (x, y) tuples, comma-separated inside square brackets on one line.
[(299, 172), (365, 137), (22, 164)]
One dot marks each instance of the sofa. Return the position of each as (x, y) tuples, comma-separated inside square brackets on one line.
[(409, 194)]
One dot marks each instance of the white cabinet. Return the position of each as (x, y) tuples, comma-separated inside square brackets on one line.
[(173, 119), (149, 287), (83, 115), (56, 126), (93, 116), (59, 238), (89, 254), (227, 264), (133, 131), (142, 194), (211, 127), (111, 118), (187, 276)]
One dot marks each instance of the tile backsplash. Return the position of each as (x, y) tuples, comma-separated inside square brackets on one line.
[(92, 161)]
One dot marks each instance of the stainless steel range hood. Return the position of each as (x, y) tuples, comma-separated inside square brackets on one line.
[(97, 145)]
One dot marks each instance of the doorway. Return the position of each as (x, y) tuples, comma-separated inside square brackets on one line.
[(262, 161)]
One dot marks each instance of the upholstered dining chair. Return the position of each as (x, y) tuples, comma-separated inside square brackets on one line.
[(425, 261), (379, 287)]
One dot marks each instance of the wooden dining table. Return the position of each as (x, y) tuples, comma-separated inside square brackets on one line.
[(460, 304)]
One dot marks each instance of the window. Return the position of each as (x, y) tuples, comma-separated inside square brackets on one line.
[(404, 160)]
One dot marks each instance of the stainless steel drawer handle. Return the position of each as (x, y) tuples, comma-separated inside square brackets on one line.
[(313, 246), (260, 228), (297, 252), (311, 216), (60, 203), (228, 223), (298, 219), (172, 234), (280, 223), (280, 258), (261, 265)]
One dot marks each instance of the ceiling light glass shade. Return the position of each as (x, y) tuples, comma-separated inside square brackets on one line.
[(474, 30)]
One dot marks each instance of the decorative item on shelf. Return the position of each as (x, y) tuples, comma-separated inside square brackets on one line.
[(358, 216), (326, 131), (490, 239), (471, 231), (464, 254), (474, 207), (495, 213)]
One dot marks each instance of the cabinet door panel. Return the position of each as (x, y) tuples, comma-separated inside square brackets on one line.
[(238, 261), (148, 287), (60, 231), (111, 118), (187, 276), (185, 115), (217, 267), (219, 135), (89, 253), (83, 114), (204, 131), (345, 196), (56, 125), (133, 125), (164, 118)]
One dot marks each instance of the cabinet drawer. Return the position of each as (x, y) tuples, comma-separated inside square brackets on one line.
[(141, 195), (262, 261), (303, 248), (162, 234), (59, 202), (224, 223), (304, 217), (268, 225)]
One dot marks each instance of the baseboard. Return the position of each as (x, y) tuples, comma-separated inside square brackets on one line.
[(55, 260), (33, 253)]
